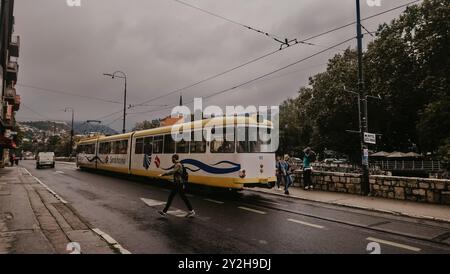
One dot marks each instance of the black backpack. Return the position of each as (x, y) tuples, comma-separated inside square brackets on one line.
[(184, 174)]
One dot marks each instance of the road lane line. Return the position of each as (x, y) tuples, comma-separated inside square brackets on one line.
[(274, 203), (111, 241), (59, 172), (252, 210), (214, 201), (152, 203), (46, 187), (407, 247), (305, 223)]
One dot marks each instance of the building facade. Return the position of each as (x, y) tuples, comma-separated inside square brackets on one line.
[(9, 69)]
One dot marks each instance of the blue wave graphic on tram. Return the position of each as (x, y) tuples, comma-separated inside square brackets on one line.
[(209, 168)]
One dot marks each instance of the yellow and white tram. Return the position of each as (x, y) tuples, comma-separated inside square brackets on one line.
[(218, 163)]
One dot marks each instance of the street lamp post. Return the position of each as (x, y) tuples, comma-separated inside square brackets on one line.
[(71, 131), (123, 76)]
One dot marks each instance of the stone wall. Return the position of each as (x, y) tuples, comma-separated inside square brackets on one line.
[(401, 188)]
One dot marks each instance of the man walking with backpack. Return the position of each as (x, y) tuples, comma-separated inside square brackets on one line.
[(179, 178)]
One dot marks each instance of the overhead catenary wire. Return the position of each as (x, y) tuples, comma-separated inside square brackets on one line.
[(257, 78), (266, 55), (273, 36), (68, 93)]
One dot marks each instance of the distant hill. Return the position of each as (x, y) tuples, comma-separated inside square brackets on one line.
[(84, 128), (79, 127)]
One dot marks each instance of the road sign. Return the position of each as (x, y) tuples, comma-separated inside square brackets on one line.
[(370, 138)]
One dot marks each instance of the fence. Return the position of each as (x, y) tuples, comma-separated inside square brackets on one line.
[(428, 166)]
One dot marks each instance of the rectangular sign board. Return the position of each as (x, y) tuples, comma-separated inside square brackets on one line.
[(370, 138)]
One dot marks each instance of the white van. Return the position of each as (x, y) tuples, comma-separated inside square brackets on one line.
[(45, 159)]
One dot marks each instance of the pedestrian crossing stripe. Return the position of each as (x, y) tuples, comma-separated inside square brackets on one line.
[(177, 213), (152, 203)]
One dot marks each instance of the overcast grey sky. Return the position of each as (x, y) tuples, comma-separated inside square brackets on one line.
[(163, 45)]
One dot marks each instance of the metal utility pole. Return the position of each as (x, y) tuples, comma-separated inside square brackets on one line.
[(365, 186), (71, 131), (123, 76)]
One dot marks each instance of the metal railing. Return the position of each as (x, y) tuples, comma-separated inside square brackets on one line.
[(425, 165)]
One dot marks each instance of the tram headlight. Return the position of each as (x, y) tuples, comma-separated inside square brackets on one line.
[(261, 168)]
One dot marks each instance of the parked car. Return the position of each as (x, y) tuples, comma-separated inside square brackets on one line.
[(45, 159)]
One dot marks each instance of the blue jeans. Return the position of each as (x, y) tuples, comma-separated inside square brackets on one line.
[(287, 182)]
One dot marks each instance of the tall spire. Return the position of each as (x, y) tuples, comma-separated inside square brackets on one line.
[(181, 99)]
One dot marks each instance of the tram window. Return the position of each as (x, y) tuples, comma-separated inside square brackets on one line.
[(139, 147), (158, 144), (248, 146), (115, 147), (80, 149), (123, 147), (88, 149), (148, 142), (169, 144), (105, 148), (183, 147), (224, 145), (197, 146)]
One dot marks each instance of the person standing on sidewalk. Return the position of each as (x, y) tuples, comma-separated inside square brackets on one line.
[(308, 158), (177, 187), (286, 173), (279, 172)]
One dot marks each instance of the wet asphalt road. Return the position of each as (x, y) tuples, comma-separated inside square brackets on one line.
[(245, 222)]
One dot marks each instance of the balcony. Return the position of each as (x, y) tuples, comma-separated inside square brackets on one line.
[(8, 116), (12, 70), (14, 46), (10, 94), (17, 101)]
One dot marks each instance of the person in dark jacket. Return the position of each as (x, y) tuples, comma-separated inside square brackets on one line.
[(177, 187)]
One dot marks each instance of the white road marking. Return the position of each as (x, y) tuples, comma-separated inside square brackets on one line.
[(111, 241), (407, 247), (177, 213), (152, 203), (46, 187), (306, 223), (59, 172), (273, 203), (214, 201), (252, 210)]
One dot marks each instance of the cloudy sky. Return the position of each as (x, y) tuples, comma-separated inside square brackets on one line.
[(164, 45)]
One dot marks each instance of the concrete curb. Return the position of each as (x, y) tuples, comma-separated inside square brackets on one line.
[(397, 213)]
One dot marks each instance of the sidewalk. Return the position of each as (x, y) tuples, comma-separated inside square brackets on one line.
[(35, 220), (398, 207)]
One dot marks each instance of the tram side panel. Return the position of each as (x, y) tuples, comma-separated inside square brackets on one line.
[(114, 155), (86, 155)]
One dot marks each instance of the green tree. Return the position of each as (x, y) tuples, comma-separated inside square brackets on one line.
[(146, 125)]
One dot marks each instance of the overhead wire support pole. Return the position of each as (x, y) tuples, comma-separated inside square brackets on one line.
[(362, 101)]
